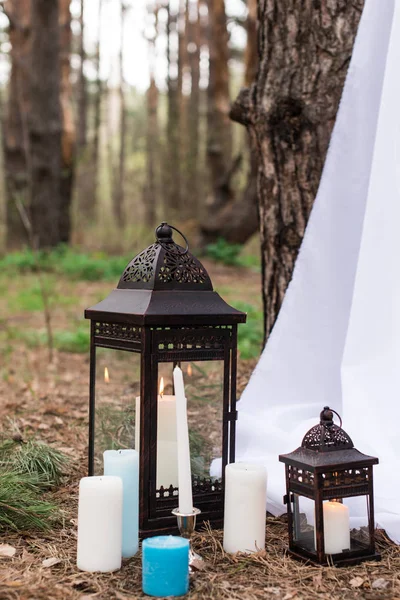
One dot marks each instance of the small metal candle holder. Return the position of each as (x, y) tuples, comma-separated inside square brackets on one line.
[(187, 525)]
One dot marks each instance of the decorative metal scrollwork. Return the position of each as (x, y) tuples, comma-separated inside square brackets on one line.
[(181, 268), (323, 438), (301, 476), (118, 331), (141, 268), (191, 341)]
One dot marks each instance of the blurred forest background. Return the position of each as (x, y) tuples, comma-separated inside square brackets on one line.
[(214, 115), (139, 93)]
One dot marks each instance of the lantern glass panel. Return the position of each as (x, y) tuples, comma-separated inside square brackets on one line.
[(303, 513), (204, 393), (117, 386), (359, 526)]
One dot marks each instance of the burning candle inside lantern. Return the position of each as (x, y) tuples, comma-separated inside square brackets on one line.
[(106, 375), (167, 455), (189, 370)]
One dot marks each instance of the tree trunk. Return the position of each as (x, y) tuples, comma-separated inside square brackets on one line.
[(68, 125), (304, 50), (45, 124), (82, 88), (150, 188), (152, 135), (193, 114), (118, 195), (89, 204), (172, 165), (219, 127), (15, 126), (237, 220)]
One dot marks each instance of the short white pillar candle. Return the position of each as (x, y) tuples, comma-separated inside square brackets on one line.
[(100, 524), (336, 527), (245, 507)]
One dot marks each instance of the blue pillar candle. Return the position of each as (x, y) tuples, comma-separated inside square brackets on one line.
[(165, 562), (125, 464)]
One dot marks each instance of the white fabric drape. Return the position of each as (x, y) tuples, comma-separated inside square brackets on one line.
[(337, 338)]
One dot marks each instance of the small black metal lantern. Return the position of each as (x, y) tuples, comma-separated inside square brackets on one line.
[(322, 472), (165, 310)]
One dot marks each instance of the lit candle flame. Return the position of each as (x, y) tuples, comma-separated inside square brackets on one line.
[(161, 389), (189, 370), (106, 375)]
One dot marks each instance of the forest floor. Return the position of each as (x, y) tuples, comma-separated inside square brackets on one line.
[(48, 402)]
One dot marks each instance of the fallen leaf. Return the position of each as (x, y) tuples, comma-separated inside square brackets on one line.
[(290, 595), (7, 550), (50, 562), (58, 421), (198, 565), (43, 426), (380, 584), (356, 582), (16, 583)]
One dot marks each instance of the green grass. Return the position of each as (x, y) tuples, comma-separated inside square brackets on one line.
[(35, 459), (77, 340), (250, 334), (31, 298), (67, 261), (22, 507), (231, 254)]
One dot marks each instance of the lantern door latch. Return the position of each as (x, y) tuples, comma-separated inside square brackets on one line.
[(286, 498), (231, 415)]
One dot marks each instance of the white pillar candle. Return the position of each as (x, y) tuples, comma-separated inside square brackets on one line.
[(336, 527), (184, 470), (245, 507), (167, 448), (99, 524)]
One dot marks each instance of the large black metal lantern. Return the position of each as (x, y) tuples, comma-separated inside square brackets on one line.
[(164, 312), (321, 473)]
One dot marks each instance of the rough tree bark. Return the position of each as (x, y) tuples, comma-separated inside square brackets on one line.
[(68, 139), (28, 123), (219, 127), (15, 130), (237, 220), (45, 123), (304, 50)]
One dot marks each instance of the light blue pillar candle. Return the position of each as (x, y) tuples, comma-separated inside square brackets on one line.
[(165, 566), (125, 464)]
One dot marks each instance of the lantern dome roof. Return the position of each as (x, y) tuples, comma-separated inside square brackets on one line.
[(166, 285), (327, 446), (165, 265), (326, 436)]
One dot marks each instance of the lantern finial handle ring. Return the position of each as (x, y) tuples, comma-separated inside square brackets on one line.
[(325, 416), (164, 236), (186, 250)]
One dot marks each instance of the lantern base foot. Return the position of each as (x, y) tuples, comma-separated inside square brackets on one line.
[(347, 561)]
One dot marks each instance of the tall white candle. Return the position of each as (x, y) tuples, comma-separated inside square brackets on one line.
[(182, 430), (100, 524), (167, 448), (336, 527), (245, 507)]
